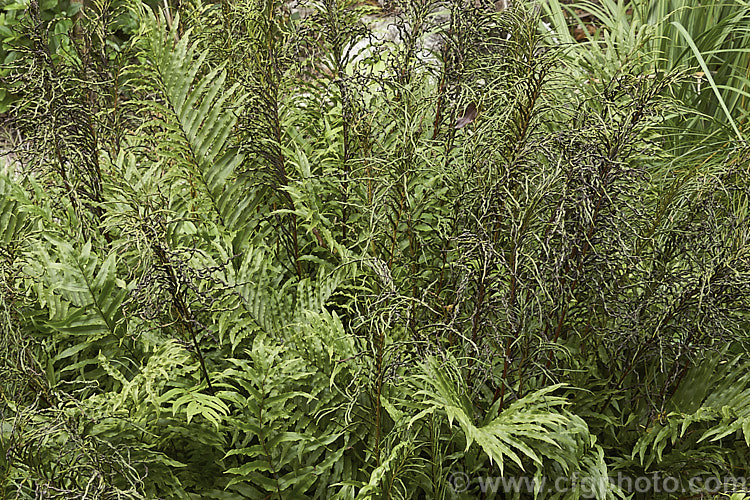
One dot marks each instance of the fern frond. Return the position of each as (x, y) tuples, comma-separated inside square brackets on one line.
[(712, 405), (203, 117), (509, 436), (84, 290), (12, 216)]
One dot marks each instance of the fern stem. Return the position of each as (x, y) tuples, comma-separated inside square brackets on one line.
[(183, 312), (262, 439), (378, 391)]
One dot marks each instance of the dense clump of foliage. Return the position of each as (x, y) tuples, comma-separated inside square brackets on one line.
[(261, 250)]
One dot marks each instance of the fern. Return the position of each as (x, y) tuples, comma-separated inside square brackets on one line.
[(712, 407), (12, 216), (199, 116), (502, 438), (281, 256), (268, 437)]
